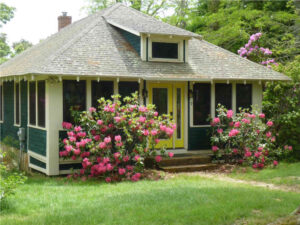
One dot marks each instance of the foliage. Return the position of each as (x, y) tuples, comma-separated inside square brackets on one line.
[(6, 13), (4, 48), (20, 46), (9, 181), (245, 138), (150, 7), (114, 140)]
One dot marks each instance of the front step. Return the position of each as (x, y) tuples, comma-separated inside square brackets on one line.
[(185, 160), (190, 168)]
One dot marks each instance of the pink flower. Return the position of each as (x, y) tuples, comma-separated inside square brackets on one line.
[(74, 157), (286, 147), (174, 126), (69, 148), (248, 154), (216, 120), (92, 109), (154, 132), (102, 145), (119, 144), (142, 119), (107, 179), (169, 131), (99, 122), (220, 130), (257, 131), (237, 124), (254, 166), (72, 139), (117, 155), (262, 115), (135, 177), (231, 124), (215, 148), (275, 163), (171, 154), (157, 141), (260, 149), (137, 158), (229, 113), (109, 167), (145, 132), (162, 127), (67, 125), (155, 113), (118, 138), (235, 150), (273, 139), (257, 154), (129, 167), (81, 134), (97, 137), (158, 158), (122, 171), (117, 119), (290, 148), (268, 134), (252, 116), (107, 140), (233, 132), (143, 109), (246, 120), (269, 123), (126, 158), (77, 128), (77, 151)]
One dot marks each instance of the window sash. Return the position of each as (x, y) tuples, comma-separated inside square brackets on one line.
[(243, 96), (17, 104), (164, 50), (223, 95), (101, 89), (1, 102), (201, 104), (32, 103), (41, 109)]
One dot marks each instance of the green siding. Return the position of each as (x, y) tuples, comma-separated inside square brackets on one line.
[(198, 137), (133, 40), (37, 162), (37, 140)]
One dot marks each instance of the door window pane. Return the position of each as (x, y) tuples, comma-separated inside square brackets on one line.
[(160, 100), (201, 104), (101, 89), (224, 95), (74, 96), (243, 96), (41, 103), (17, 103), (178, 114), (32, 103), (165, 50)]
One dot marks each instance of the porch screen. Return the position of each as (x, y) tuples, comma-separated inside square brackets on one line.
[(243, 96), (32, 103), (74, 97), (1, 107), (101, 89), (201, 104), (17, 103), (126, 88), (165, 50), (41, 92), (223, 94)]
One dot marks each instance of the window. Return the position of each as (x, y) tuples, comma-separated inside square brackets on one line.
[(160, 100), (164, 50), (41, 103), (17, 103), (32, 103), (126, 88), (101, 89), (1, 104), (74, 97), (201, 104), (223, 94), (243, 96)]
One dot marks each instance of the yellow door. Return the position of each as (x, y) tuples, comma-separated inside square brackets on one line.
[(169, 99)]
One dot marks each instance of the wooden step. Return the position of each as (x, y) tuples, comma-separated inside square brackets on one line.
[(190, 168), (186, 160)]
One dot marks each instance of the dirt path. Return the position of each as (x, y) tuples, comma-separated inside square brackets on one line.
[(224, 177)]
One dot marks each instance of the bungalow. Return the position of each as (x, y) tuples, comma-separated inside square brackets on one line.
[(121, 50)]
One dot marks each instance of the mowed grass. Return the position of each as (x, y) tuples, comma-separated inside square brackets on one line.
[(180, 200), (283, 174)]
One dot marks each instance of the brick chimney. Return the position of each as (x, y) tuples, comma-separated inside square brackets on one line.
[(64, 20)]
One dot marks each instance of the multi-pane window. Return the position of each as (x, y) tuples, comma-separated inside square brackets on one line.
[(164, 50), (74, 98), (201, 103), (1, 103), (101, 89), (41, 96), (17, 103), (243, 96), (32, 103), (223, 93)]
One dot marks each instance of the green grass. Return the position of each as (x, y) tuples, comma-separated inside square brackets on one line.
[(181, 200), (284, 174)]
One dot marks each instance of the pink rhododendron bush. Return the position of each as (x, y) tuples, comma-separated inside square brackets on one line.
[(245, 138), (113, 140)]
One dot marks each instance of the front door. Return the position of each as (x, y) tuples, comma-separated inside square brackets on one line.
[(169, 99)]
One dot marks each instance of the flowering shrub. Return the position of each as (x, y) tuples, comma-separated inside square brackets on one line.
[(113, 140), (246, 138), (252, 51)]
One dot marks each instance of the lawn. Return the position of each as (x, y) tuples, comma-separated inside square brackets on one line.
[(284, 174), (181, 200)]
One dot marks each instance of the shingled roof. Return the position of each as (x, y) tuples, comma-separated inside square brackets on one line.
[(94, 47)]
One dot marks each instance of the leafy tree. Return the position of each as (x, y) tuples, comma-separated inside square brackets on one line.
[(20, 46), (4, 48), (150, 7)]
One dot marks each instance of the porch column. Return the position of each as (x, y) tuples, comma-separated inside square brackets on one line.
[(257, 95)]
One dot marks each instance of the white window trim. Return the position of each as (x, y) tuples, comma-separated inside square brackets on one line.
[(15, 111), (165, 40), (2, 106)]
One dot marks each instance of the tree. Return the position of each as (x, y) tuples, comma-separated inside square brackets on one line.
[(150, 7), (20, 46), (4, 48)]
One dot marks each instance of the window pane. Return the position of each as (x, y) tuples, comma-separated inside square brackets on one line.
[(74, 96), (126, 88), (178, 104), (224, 95), (201, 104), (164, 50), (101, 89), (243, 96), (41, 103), (17, 104), (32, 103), (1, 108), (160, 100)]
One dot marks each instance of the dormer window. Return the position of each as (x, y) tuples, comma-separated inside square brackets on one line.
[(164, 50)]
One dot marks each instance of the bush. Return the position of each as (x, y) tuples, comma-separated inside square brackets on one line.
[(246, 137), (113, 141), (9, 180)]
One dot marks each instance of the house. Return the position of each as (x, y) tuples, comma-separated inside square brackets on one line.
[(121, 50)]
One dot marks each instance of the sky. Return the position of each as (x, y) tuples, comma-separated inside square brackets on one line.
[(37, 19)]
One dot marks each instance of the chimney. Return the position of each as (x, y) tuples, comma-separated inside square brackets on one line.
[(64, 20)]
